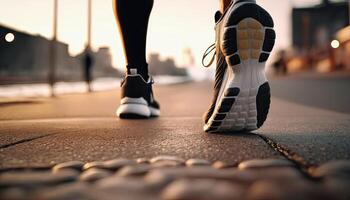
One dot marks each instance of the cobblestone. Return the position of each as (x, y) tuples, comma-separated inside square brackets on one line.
[(93, 174), (36, 179), (197, 162), (258, 164), (74, 191), (167, 177), (110, 164), (77, 165), (203, 189), (339, 169), (178, 161)]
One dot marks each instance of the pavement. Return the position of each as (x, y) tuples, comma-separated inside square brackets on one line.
[(73, 147), (43, 131)]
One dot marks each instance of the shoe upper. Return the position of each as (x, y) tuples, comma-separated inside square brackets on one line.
[(135, 86), (221, 67)]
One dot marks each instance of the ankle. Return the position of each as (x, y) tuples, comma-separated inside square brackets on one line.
[(138, 69)]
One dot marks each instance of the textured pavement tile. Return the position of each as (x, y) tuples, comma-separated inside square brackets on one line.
[(36, 179), (197, 162), (94, 174), (339, 169), (174, 159), (112, 165), (204, 189), (265, 163), (137, 170), (142, 161), (257, 180), (289, 190), (14, 194), (128, 187), (338, 188), (77, 165), (203, 173), (72, 191)]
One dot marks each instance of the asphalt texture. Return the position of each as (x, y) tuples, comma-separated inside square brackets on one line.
[(43, 131)]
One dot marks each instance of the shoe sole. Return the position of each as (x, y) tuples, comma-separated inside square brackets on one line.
[(136, 108), (244, 100)]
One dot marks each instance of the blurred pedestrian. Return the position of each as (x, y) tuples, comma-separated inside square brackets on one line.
[(280, 65), (88, 62)]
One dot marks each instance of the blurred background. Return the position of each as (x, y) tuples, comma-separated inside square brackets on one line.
[(52, 46)]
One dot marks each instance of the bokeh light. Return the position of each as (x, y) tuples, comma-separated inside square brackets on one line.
[(9, 37), (335, 44)]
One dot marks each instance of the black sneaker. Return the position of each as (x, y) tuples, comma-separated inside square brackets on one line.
[(137, 99), (244, 40)]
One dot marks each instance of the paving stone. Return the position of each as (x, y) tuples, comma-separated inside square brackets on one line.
[(229, 174), (197, 162), (13, 194), (35, 179), (72, 191), (180, 161), (339, 169), (126, 188), (142, 161), (221, 165), (158, 180), (112, 165), (167, 163), (116, 164), (170, 177), (259, 163), (203, 172), (94, 174), (338, 188), (291, 190), (283, 175), (203, 189), (136, 170), (95, 164), (77, 165)]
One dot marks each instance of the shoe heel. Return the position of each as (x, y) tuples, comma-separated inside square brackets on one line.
[(246, 45), (248, 40)]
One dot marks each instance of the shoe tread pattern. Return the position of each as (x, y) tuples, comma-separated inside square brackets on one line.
[(248, 35)]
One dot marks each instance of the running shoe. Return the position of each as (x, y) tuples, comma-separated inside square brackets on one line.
[(137, 100), (244, 39)]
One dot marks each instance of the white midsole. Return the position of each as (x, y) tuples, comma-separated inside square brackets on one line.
[(248, 77), (137, 106)]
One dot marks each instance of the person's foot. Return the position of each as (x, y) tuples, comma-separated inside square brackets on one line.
[(245, 38), (137, 100)]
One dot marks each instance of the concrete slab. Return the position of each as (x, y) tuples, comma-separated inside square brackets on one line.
[(83, 127), (107, 138)]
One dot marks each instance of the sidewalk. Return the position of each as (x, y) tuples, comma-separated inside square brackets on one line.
[(293, 153), (47, 131)]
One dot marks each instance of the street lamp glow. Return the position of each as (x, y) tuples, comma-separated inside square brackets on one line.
[(335, 44), (9, 37)]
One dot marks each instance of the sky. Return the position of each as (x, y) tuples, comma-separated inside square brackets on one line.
[(174, 25)]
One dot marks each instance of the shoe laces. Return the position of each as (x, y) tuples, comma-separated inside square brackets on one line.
[(151, 80), (206, 53)]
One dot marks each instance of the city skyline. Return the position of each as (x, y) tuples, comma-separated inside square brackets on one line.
[(169, 31)]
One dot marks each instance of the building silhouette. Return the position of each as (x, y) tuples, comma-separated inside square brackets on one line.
[(316, 26), (26, 60), (164, 67)]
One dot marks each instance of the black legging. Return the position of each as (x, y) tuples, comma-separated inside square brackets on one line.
[(132, 17)]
